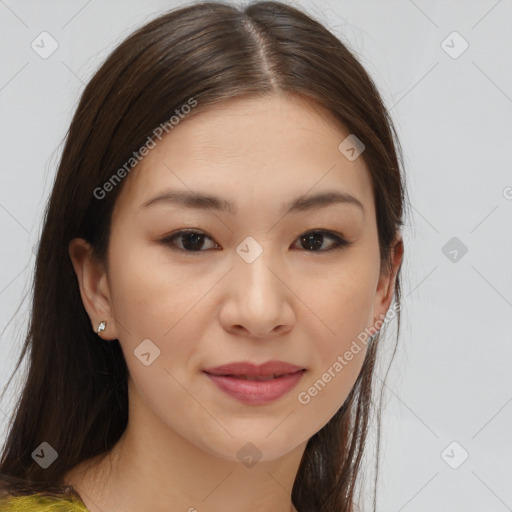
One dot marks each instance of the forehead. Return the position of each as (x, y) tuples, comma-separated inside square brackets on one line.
[(261, 151)]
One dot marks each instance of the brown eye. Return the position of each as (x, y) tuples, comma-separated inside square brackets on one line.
[(195, 241), (312, 241), (190, 241)]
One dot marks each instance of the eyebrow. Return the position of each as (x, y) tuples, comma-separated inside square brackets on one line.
[(196, 200)]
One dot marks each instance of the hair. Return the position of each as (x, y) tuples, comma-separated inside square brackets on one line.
[(74, 395)]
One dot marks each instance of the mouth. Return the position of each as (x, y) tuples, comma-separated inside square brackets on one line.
[(244, 369), (255, 377), (256, 385)]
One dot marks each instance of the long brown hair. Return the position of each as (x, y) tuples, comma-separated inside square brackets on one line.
[(75, 394)]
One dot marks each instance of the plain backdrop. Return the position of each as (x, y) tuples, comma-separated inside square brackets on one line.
[(444, 71)]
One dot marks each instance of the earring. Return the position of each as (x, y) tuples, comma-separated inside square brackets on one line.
[(101, 326)]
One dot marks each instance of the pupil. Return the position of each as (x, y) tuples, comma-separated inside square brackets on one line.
[(191, 241), (315, 239)]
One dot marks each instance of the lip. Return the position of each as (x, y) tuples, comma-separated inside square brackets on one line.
[(254, 370), (230, 379)]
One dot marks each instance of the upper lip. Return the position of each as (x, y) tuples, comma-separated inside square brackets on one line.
[(275, 368)]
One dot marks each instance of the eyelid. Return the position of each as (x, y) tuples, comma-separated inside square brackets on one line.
[(168, 240), (340, 241)]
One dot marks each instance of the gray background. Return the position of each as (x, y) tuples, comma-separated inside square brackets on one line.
[(451, 380)]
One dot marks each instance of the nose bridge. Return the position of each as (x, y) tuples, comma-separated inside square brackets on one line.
[(258, 292), (253, 273), (256, 300)]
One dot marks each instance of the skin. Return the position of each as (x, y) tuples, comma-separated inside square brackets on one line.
[(201, 309)]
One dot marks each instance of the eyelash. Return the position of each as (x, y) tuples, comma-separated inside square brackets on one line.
[(340, 242)]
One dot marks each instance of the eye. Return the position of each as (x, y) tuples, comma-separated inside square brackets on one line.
[(316, 238), (192, 241), (311, 241)]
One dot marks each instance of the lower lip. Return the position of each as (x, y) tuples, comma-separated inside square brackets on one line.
[(257, 392)]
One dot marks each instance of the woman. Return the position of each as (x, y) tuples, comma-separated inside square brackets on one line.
[(220, 250)]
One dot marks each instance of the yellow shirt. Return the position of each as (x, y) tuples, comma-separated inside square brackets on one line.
[(37, 503)]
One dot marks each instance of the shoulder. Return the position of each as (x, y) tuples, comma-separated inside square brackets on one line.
[(41, 503)]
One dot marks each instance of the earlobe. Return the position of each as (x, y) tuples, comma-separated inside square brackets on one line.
[(93, 285)]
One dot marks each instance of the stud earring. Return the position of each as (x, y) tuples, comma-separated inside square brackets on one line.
[(101, 326)]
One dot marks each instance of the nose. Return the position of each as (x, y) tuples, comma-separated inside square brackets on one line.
[(258, 303)]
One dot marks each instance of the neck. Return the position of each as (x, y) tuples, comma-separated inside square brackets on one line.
[(154, 468)]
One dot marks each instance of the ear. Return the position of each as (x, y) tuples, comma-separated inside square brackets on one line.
[(94, 290), (386, 284)]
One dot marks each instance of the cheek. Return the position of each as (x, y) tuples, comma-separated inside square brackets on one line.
[(149, 297), (345, 307), (152, 301), (337, 364)]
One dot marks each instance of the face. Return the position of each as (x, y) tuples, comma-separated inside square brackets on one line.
[(192, 285)]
